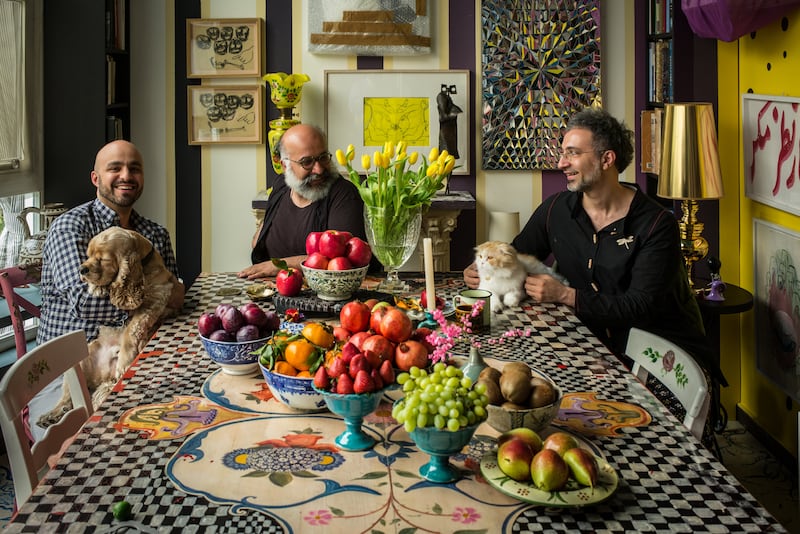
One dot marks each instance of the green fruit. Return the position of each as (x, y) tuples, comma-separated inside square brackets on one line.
[(549, 472), (583, 466), (122, 510), (514, 459), (525, 434), (560, 442)]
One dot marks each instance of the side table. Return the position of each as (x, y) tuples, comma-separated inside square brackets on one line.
[(737, 300)]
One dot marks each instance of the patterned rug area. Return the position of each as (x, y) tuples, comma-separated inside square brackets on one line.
[(774, 484)]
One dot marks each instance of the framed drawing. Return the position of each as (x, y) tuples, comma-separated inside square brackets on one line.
[(771, 150), (424, 108), (777, 305), (218, 48), (225, 114)]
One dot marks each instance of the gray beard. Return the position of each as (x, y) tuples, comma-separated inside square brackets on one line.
[(304, 187)]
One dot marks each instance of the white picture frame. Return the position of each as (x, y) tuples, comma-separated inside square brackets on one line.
[(350, 95), (770, 125)]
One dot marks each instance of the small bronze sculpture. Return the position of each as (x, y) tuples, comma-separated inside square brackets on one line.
[(448, 113)]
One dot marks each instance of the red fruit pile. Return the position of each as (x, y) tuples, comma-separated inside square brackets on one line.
[(351, 371), (228, 323), (336, 250)]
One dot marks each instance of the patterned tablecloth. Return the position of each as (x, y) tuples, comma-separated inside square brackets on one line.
[(196, 450)]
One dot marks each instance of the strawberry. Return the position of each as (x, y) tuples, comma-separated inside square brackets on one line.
[(344, 384), (321, 378), (387, 372), (363, 383), (358, 363), (376, 378), (337, 368), (348, 351)]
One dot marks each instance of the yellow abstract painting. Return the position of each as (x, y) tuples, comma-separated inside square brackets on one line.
[(396, 119)]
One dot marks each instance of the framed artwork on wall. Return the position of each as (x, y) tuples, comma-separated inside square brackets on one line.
[(369, 27), (777, 305), (217, 48), (771, 150), (532, 82), (424, 108), (232, 114)]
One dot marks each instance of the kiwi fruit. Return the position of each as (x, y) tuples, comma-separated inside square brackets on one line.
[(512, 406), (542, 395), (515, 386), (492, 391), (520, 367), (490, 373)]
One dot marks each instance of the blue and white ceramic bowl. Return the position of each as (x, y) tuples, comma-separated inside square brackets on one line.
[(334, 285), (234, 357), (295, 392)]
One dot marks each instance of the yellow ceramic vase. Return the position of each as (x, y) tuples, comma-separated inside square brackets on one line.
[(285, 93)]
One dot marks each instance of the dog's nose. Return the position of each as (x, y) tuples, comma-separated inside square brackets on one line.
[(84, 270)]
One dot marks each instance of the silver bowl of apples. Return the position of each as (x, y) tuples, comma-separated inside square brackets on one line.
[(230, 335)]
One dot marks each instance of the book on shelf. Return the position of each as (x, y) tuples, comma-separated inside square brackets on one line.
[(115, 24), (113, 128), (111, 80), (651, 140)]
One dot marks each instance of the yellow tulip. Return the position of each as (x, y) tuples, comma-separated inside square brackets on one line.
[(412, 159), (351, 152), (402, 146), (433, 154), (340, 157), (448, 167), (443, 157), (388, 148), (433, 170), (365, 163)]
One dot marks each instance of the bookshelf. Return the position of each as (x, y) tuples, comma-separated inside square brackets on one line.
[(86, 91)]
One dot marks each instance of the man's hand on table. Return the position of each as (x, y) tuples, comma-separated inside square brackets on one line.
[(471, 277), (545, 288), (267, 269)]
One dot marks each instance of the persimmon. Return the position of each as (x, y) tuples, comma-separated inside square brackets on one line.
[(301, 354), (285, 368)]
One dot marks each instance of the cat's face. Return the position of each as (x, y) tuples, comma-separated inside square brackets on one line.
[(494, 255)]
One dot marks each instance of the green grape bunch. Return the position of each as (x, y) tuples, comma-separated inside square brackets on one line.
[(442, 397)]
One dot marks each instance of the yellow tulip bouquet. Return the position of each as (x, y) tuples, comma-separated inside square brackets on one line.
[(395, 193)]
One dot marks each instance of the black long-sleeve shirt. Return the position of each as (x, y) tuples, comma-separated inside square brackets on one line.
[(630, 273)]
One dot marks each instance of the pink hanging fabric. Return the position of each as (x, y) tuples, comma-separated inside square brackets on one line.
[(727, 20)]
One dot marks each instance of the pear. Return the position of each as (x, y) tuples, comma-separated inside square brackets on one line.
[(549, 472), (514, 458), (560, 442), (583, 466), (515, 387), (524, 433)]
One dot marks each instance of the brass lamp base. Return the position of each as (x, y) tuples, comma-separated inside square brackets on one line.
[(694, 246)]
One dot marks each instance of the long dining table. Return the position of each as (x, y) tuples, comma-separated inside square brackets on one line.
[(193, 449)]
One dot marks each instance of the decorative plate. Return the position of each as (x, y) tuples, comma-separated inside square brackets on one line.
[(259, 291), (573, 494)]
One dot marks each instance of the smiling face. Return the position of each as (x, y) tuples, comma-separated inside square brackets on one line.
[(118, 175), (580, 162)]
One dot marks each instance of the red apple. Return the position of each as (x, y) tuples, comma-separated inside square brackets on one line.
[(312, 242), (316, 260), (410, 354), (423, 301), (354, 316), (332, 243), (380, 346), (341, 333), (358, 252), (377, 313), (396, 325), (209, 322), (289, 282), (339, 263), (371, 303)]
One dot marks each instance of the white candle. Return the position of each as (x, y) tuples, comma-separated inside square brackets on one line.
[(430, 292)]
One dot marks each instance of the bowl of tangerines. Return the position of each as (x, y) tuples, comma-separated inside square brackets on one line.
[(359, 356)]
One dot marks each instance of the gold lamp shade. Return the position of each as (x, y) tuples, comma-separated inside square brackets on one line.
[(690, 170)]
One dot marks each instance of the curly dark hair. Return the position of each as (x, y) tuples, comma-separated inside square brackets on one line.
[(607, 133)]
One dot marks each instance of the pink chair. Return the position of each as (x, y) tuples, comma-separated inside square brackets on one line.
[(14, 277)]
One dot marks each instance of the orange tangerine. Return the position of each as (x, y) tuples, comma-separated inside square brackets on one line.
[(319, 334), (285, 368), (301, 353), (303, 374)]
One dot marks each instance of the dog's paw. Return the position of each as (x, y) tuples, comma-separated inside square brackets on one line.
[(98, 291), (54, 416)]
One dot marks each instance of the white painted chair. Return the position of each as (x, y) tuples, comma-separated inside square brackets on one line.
[(25, 378), (677, 370)]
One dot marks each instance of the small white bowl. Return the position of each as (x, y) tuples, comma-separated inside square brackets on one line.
[(334, 285)]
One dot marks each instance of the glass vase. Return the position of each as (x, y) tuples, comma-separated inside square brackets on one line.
[(392, 235)]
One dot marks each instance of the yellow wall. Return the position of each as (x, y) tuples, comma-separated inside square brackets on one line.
[(767, 63)]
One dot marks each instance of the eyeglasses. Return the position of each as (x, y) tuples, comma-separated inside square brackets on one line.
[(570, 153), (308, 162)]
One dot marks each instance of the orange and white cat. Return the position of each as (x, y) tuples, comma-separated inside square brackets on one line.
[(503, 270)]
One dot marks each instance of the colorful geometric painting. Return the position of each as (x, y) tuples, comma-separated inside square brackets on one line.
[(541, 63)]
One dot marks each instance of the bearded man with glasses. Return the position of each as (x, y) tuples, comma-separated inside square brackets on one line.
[(311, 197)]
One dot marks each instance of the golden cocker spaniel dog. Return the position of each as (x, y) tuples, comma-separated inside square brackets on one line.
[(124, 266)]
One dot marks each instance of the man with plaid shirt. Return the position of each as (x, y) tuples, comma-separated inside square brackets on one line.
[(67, 305)]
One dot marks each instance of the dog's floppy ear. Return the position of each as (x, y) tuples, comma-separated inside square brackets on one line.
[(127, 290)]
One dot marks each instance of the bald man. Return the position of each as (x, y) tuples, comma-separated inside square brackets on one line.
[(118, 175), (311, 197)]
